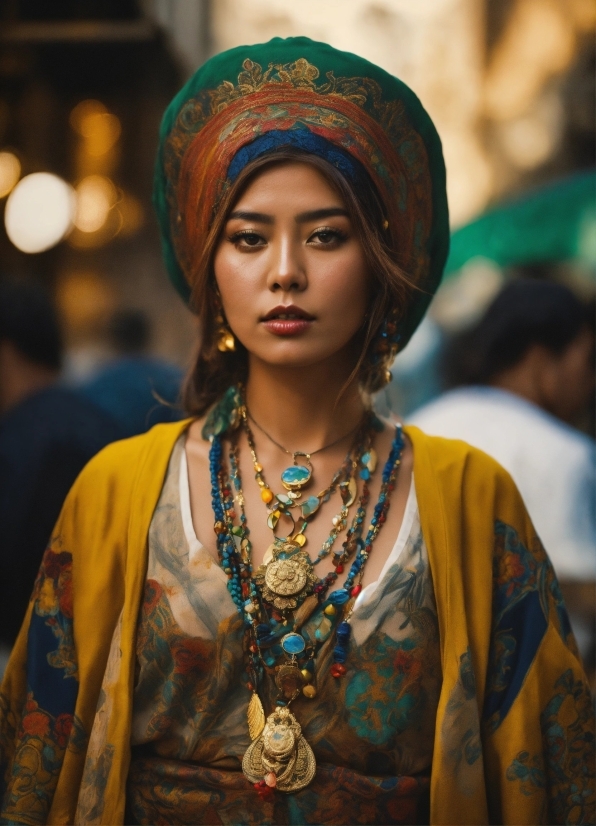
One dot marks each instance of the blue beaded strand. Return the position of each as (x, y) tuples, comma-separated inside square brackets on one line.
[(225, 543), (389, 473)]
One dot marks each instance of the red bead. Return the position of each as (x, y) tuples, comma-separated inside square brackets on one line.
[(263, 790), (339, 569), (250, 686), (232, 514), (253, 648), (337, 670), (355, 590)]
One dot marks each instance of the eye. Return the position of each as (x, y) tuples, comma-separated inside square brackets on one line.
[(327, 237), (247, 238)]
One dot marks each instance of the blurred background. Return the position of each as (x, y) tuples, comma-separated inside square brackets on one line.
[(83, 85)]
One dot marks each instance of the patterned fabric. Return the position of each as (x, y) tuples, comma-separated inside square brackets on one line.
[(525, 592), (514, 724), (295, 92), (47, 725), (372, 732)]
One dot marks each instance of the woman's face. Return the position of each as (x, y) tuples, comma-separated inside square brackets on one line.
[(291, 271)]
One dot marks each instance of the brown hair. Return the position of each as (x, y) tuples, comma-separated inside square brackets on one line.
[(213, 371)]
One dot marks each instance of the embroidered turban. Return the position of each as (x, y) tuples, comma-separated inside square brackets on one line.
[(295, 92)]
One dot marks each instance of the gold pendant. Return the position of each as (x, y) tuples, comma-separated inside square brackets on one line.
[(256, 716), (280, 756), (285, 582)]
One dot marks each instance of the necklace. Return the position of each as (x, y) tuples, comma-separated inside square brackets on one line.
[(282, 504), (289, 452), (279, 756), (286, 577)]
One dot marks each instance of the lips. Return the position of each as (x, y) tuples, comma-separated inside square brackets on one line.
[(287, 320), (289, 311)]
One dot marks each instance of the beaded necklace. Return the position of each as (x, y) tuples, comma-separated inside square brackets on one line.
[(279, 756)]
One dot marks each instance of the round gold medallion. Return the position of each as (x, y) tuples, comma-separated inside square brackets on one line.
[(286, 577)]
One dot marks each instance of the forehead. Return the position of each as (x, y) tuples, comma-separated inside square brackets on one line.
[(289, 185)]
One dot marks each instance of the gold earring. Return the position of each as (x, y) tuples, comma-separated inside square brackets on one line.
[(226, 343)]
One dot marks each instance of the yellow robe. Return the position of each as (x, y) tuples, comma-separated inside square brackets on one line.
[(514, 738)]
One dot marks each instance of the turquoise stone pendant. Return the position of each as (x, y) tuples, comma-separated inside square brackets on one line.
[(293, 644), (297, 476)]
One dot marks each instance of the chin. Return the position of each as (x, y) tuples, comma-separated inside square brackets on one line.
[(299, 358)]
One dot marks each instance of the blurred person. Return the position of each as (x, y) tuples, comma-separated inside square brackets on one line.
[(527, 370), (210, 640), (47, 435), (135, 389)]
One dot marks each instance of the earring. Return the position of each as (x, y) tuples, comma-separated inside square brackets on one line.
[(226, 343)]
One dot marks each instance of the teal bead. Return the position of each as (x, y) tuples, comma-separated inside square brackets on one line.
[(310, 506), (284, 500)]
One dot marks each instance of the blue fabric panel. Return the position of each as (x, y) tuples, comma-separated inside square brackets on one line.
[(514, 645), (53, 690)]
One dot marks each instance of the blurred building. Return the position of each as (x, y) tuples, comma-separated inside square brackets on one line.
[(83, 86)]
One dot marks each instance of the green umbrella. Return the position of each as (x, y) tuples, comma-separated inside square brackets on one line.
[(554, 223)]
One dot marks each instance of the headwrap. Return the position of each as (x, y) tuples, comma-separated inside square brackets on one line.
[(296, 92)]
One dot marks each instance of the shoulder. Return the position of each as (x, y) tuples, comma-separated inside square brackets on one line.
[(463, 477), (119, 463), (452, 454)]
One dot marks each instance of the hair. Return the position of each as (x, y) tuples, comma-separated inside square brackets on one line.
[(28, 319), (526, 312), (213, 372)]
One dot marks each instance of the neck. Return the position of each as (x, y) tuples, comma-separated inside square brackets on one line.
[(301, 408)]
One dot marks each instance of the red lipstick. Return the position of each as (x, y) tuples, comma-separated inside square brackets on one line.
[(287, 320)]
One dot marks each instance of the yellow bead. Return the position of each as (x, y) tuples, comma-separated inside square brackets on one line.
[(309, 691), (330, 610), (258, 468), (306, 675), (266, 495)]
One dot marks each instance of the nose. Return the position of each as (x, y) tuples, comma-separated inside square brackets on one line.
[(287, 273)]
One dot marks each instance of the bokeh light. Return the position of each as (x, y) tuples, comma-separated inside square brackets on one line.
[(131, 214), (10, 172), (98, 127), (39, 212), (96, 195), (85, 301)]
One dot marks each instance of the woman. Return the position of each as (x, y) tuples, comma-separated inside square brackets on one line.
[(345, 662)]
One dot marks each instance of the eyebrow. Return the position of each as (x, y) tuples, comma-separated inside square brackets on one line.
[(259, 217), (317, 214), (303, 217)]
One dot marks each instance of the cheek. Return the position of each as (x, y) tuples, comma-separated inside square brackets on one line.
[(232, 276), (344, 289)]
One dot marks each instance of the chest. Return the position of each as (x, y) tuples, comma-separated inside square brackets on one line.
[(320, 528)]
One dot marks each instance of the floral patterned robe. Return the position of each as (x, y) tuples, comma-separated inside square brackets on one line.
[(514, 727)]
